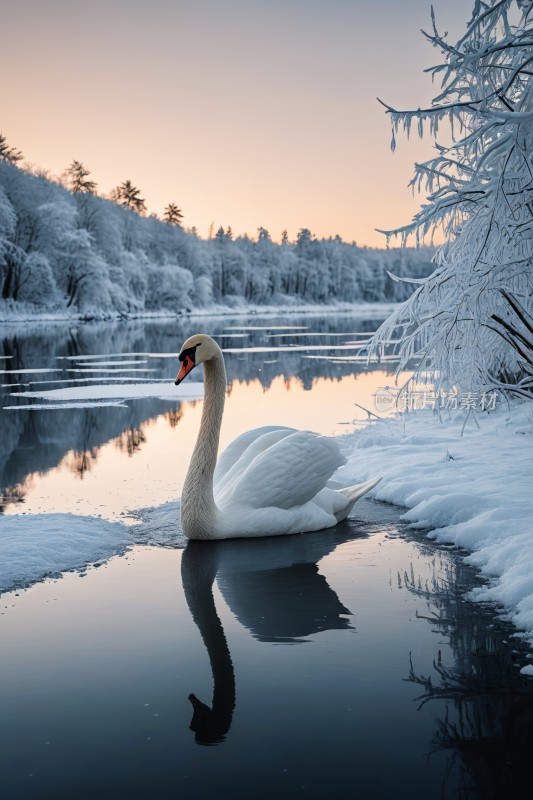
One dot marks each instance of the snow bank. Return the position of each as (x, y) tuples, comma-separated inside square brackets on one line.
[(38, 546), (473, 491)]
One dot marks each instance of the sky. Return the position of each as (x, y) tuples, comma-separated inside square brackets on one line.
[(245, 113)]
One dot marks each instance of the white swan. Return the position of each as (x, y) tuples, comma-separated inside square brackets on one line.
[(269, 481)]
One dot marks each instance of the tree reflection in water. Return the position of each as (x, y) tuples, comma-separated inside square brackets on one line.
[(131, 440), (11, 495), (487, 716), (82, 462)]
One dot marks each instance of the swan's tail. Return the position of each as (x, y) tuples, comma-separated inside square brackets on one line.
[(354, 493)]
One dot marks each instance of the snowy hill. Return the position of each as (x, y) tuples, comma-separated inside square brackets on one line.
[(63, 251)]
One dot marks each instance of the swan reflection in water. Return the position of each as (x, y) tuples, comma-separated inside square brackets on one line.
[(273, 588)]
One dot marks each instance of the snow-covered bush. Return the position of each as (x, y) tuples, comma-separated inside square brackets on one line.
[(169, 287)]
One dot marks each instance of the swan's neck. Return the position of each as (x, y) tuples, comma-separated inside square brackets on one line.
[(198, 509), (199, 566)]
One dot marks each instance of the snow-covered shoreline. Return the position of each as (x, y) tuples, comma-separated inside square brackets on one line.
[(23, 314), (472, 491)]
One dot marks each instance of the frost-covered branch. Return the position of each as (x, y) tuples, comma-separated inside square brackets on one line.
[(480, 194)]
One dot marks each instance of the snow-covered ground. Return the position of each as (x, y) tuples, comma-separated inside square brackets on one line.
[(473, 491)]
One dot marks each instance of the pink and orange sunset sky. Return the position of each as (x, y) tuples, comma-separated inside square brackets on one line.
[(243, 112)]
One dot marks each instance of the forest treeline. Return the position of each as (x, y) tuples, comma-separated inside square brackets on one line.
[(61, 248)]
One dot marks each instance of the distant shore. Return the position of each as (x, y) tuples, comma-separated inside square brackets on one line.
[(12, 315)]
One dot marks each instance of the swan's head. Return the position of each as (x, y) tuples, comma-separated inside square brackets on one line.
[(196, 350)]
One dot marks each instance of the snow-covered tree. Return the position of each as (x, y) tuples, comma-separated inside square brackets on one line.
[(518, 333), (480, 194), (36, 283), (73, 249)]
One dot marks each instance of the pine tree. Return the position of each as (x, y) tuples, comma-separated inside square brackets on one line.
[(173, 215), (7, 153), (480, 194), (263, 235), (127, 195), (77, 179)]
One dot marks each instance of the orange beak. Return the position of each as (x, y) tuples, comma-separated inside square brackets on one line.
[(186, 366)]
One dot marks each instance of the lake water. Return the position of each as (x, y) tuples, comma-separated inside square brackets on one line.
[(103, 457), (342, 663)]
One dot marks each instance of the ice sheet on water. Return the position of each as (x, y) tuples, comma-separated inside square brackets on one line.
[(124, 391), (63, 406), (361, 359), (91, 379), (266, 328), (110, 371), (28, 371), (159, 525), (307, 334), (162, 355), (136, 362), (34, 547), (292, 348), (92, 356)]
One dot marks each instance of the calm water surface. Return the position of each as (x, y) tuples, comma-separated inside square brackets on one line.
[(344, 663), (103, 457)]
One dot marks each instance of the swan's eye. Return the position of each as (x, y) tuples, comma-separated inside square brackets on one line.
[(187, 357)]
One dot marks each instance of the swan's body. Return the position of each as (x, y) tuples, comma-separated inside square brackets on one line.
[(269, 481)]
